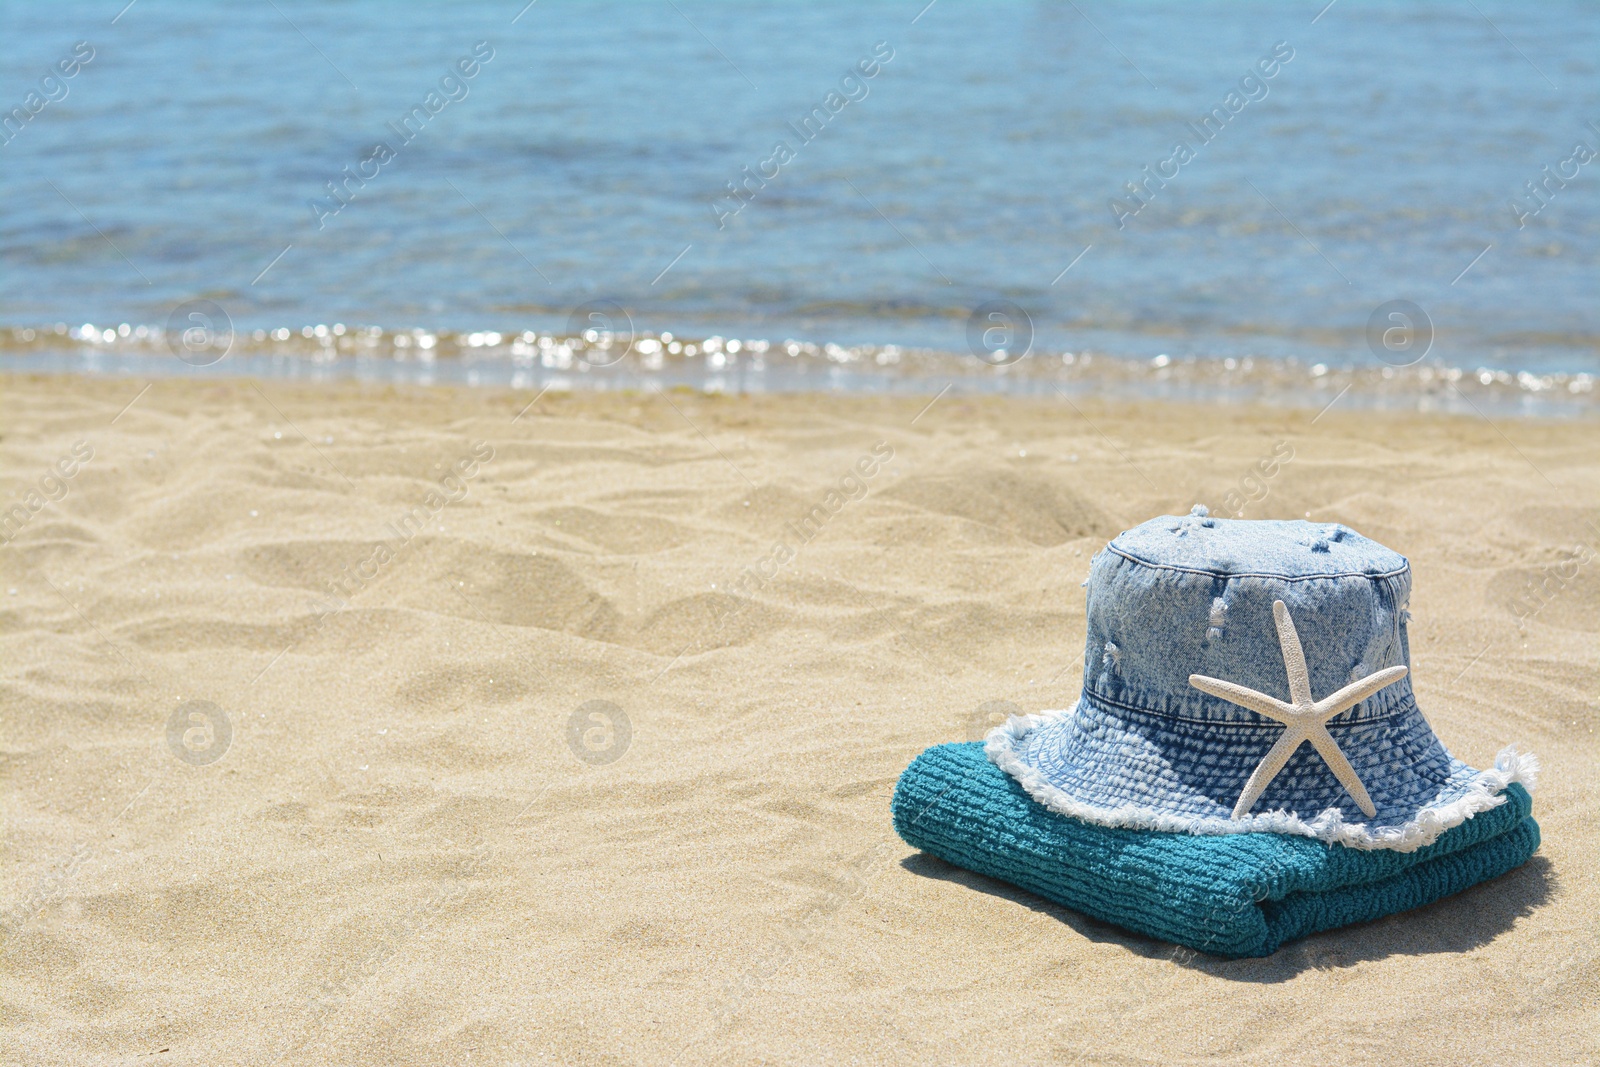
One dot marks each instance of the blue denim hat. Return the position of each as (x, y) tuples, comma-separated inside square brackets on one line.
[(1246, 676)]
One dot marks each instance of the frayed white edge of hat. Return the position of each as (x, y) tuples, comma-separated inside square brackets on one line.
[(1422, 829)]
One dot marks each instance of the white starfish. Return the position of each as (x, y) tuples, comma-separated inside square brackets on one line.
[(1305, 719)]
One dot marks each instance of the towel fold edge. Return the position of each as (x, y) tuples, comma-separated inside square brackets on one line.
[(1237, 926)]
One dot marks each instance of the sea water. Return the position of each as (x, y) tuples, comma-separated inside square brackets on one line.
[(1391, 202)]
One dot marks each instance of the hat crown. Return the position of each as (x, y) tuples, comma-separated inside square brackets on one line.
[(1238, 605), (1182, 595)]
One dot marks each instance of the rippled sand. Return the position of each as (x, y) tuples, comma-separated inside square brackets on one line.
[(303, 762)]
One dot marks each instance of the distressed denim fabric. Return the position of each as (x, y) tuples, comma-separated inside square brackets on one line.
[(1186, 595)]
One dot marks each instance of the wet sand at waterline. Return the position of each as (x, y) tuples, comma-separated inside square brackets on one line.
[(388, 726)]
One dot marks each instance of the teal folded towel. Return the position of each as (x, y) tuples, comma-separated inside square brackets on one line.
[(1229, 895)]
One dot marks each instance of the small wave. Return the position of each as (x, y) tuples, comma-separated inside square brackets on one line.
[(531, 358)]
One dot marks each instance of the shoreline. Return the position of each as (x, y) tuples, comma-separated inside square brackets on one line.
[(318, 380), (1420, 389)]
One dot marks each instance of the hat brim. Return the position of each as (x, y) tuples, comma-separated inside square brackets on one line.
[(1113, 766)]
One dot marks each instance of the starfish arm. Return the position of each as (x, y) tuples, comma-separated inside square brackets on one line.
[(1294, 657), (1267, 770), (1356, 692), (1243, 696), (1324, 743)]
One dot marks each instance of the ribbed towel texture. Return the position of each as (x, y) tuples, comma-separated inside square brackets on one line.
[(1229, 895)]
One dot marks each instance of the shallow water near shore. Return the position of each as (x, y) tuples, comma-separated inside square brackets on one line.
[(534, 361)]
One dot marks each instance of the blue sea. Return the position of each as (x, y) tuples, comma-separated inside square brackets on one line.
[(1196, 200)]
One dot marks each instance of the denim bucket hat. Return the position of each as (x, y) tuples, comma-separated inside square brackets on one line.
[(1250, 676)]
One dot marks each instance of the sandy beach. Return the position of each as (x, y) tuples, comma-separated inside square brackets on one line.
[(360, 725)]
